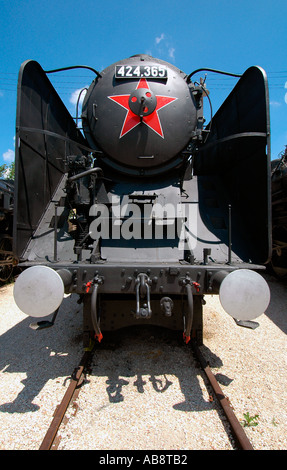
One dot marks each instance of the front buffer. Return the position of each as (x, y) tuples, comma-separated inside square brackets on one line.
[(118, 296)]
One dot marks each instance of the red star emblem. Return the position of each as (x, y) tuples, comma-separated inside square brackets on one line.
[(132, 120)]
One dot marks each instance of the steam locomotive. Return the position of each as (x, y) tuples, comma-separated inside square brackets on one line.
[(278, 262), (146, 209), (6, 222)]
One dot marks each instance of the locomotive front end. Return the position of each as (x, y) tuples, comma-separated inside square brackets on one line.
[(146, 213)]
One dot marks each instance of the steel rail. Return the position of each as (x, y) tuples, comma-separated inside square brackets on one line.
[(62, 408), (236, 427)]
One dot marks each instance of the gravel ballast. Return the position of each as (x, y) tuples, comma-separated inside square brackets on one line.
[(145, 390)]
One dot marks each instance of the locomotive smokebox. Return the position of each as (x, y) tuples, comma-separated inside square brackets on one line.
[(141, 113), (244, 294), (39, 290)]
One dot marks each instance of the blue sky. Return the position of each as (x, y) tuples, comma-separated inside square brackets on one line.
[(230, 35)]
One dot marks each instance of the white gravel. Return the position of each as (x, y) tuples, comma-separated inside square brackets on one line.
[(145, 391)]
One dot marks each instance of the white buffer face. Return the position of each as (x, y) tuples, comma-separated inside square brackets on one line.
[(39, 291), (244, 294)]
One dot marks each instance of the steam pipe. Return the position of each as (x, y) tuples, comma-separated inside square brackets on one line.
[(91, 171), (74, 67), (229, 234), (189, 317), (55, 233), (98, 333), (212, 70)]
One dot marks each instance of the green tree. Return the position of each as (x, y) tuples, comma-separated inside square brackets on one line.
[(7, 171)]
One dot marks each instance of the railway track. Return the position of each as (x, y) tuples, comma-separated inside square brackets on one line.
[(240, 437), (236, 428), (61, 409)]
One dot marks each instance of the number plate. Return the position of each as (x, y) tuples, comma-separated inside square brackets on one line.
[(141, 71)]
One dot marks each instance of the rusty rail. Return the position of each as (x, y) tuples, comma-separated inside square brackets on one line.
[(62, 408), (236, 427)]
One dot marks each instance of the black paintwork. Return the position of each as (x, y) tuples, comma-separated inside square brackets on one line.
[(206, 170)]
